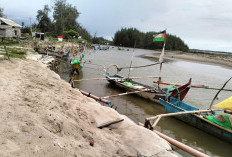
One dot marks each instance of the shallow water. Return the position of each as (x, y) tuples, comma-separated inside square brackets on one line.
[(172, 71)]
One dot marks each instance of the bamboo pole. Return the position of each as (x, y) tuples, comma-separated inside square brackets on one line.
[(114, 78), (178, 144), (192, 86), (95, 97), (158, 117), (126, 93), (132, 60)]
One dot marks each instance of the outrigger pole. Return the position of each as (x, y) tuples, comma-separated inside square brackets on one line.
[(96, 97), (192, 86), (178, 144), (126, 93), (114, 79)]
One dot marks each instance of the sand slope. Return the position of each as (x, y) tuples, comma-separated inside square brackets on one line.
[(41, 115)]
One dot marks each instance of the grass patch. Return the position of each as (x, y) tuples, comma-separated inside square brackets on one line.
[(16, 53), (13, 43), (8, 43)]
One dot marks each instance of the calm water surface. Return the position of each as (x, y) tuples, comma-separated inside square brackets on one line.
[(172, 71)]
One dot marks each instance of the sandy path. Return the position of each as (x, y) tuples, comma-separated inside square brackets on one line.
[(41, 115)]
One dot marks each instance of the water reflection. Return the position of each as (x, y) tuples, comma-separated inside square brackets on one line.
[(173, 71)]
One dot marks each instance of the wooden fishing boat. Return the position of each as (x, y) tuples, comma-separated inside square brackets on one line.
[(77, 64), (197, 120), (142, 90), (145, 91)]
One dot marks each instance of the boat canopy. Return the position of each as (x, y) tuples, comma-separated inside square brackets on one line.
[(226, 104)]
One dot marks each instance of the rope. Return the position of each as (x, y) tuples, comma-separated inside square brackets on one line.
[(139, 66), (219, 92), (178, 99), (119, 69)]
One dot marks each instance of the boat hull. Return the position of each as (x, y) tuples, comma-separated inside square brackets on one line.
[(152, 95), (76, 66), (197, 120)]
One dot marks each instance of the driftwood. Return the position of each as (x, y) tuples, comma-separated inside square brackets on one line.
[(110, 123)]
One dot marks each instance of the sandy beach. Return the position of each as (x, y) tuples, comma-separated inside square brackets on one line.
[(216, 59), (41, 115)]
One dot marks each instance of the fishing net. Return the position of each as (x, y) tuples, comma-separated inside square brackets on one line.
[(75, 61), (222, 120), (127, 83)]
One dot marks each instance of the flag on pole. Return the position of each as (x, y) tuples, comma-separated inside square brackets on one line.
[(160, 37)]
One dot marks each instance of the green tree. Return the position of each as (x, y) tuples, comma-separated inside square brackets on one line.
[(22, 24), (127, 37), (1, 12), (84, 33), (26, 30), (65, 16), (44, 22), (99, 40), (70, 34)]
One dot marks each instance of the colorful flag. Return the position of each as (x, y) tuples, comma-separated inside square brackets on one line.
[(160, 37)]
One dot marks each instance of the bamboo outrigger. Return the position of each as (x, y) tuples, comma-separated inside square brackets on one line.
[(201, 119), (178, 144), (96, 97), (183, 111)]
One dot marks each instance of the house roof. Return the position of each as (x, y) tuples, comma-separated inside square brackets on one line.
[(10, 22), (5, 26)]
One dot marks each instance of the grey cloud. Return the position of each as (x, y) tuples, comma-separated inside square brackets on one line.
[(202, 24)]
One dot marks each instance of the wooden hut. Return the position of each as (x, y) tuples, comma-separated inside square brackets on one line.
[(9, 28)]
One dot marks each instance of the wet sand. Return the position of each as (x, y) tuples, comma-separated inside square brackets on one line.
[(216, 59)]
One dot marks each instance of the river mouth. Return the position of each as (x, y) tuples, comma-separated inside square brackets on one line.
[(138, 108)]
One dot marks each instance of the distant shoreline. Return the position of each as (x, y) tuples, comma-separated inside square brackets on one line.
[(224, 60)]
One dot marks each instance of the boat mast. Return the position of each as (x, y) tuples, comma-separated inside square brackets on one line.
[(161, 59), (132, 60)]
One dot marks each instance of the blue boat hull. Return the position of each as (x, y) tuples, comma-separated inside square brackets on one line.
[(197, 120)]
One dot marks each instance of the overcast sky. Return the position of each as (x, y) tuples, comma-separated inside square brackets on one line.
[(202, 24)]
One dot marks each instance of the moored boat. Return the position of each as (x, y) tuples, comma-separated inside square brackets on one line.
[(145, 91), (77, 64), (198, 120)]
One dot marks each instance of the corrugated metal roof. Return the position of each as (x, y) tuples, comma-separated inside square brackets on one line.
[(5, 26), (10, 22)]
